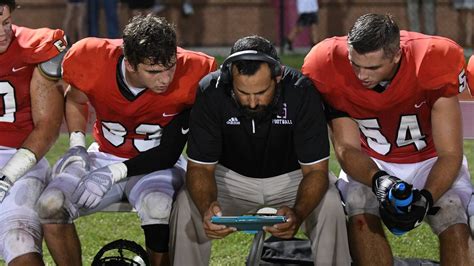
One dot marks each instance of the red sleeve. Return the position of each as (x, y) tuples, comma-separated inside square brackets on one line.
[(39, 45), (320, 63), (86, 61), (206, 63), (313, 62), (191, 67), (310, 65), (440, 63), (470, 75)]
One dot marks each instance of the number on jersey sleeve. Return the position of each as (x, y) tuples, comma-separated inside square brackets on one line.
[(462, 81)]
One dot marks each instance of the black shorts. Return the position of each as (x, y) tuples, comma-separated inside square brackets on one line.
[(306, 19), (140, 4)]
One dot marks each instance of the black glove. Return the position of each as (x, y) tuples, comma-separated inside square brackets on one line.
[(5, 186), (400, 223), (382, 183)]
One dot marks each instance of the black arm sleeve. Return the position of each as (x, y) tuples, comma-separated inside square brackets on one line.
[(310, 134), (166, 154), (333, 113)]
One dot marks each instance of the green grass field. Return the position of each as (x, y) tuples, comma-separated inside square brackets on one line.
[(98, 229)]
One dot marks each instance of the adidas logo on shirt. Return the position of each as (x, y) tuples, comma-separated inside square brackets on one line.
[(233, 121)]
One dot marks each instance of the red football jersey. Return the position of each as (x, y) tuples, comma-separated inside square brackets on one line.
[(470, 75), (395, 125), (28, 48), (126, 127)]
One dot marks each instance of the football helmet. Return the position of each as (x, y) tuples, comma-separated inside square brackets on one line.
[(121, 252)]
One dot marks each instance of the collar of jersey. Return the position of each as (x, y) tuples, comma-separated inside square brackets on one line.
[(122, 85)]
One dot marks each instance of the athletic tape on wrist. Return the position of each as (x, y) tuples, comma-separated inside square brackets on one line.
[(22, 161), (77, 138), (119, 171)]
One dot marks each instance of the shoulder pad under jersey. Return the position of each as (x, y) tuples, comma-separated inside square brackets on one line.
[(51, 69)]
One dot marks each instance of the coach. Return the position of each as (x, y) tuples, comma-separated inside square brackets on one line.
[(258, 137)]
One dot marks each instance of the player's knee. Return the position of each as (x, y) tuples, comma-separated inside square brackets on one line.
[(359, 219), (359, 200), (51, 205), (157, 206), (17, 242), (157, 237), (363, 222), (451, 212)]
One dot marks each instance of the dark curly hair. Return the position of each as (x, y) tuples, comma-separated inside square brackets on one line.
[(10, 3), (149, 38), (372, 32)]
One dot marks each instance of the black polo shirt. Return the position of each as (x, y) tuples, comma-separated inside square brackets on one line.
[(295, 133)]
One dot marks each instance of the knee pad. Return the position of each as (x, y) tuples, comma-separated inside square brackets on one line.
[(452, 212), (51, 207), (17, 242), (155, 208), (470, 213), (470, 206), (157, 237), (471, 225), (360, 199)]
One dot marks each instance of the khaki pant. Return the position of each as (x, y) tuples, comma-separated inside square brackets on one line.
[(237, 195)]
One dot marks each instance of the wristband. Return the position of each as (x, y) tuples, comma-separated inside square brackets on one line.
[(118, 170), (19, 164), (77, 138)]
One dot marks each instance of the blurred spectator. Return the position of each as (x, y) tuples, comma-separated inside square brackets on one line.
[(136, 7), (111, 17), (158, 7), (187, 8), (74, 20), (429, 15), (307, 17), (466, 10)]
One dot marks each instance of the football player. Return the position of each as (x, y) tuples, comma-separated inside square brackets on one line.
[(392, 103), (141, 87), (31, 107), (470, 74)]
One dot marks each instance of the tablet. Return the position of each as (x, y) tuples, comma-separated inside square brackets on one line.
[(247, 223)]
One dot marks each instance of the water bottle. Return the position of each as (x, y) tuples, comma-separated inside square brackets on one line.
[(401, 197)]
